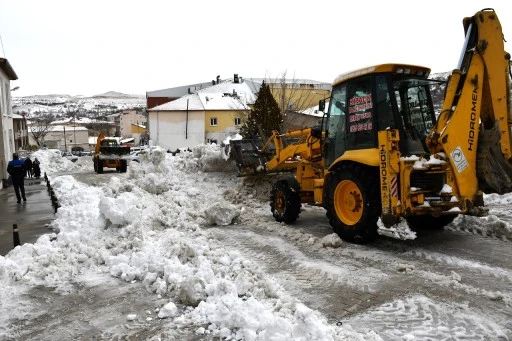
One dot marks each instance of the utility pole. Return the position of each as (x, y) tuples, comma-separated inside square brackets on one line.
[(65, 145), (74, 131)]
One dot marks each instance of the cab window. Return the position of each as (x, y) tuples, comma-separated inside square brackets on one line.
[(336, 123), (360, 113)]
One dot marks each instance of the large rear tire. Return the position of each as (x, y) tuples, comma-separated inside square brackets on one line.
[(285, 200), (95, 162), (429, 222), (100, 166), (353, 202)]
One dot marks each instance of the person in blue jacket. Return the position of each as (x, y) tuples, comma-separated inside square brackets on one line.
[(16, 169)]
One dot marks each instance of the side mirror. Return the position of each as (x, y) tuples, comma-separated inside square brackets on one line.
[(321, 105), (316, 131)]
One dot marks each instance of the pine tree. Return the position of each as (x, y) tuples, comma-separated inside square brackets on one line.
[(265, 115)]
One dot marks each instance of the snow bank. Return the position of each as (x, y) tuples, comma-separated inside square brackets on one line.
[(149, 226)]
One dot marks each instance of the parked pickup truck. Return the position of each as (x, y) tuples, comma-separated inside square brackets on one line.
[(70, 156)]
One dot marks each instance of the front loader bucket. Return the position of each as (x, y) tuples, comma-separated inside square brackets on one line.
[(494, 173), (246, 154)]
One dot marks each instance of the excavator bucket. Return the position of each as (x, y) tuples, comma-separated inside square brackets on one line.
[(248, 156)]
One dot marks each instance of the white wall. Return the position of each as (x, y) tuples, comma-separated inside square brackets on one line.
[(170, 131), (6, 125), (55, 138)]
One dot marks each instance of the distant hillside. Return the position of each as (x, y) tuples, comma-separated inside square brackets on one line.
[(115, 94), (65, 105)]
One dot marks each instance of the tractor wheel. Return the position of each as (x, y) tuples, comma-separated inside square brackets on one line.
[(429, 222), (124, 166), (285, 200), (353, 202), (95, 162), (100, 167)]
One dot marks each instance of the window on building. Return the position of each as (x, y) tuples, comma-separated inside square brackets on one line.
[(211, 141), (213, 121), (238, 121)]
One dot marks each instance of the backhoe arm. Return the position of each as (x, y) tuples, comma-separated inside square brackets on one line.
[(473, 129), (307, 148)]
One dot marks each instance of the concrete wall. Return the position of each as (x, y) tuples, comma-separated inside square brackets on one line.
[(6, 125), (127, 118), (78, 137), (171, 129), (225, 124)]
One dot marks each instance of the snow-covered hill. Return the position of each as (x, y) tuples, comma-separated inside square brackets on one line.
[(65, 105)]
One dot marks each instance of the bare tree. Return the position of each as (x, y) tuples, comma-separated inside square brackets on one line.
[(40, 126), (293, 95)]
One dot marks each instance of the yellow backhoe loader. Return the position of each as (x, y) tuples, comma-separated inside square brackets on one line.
[(383, 153), (109, 154)]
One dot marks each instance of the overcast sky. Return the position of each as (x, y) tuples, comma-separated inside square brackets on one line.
[(90, 47)]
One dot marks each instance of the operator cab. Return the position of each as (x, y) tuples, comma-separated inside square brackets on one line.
[(389, 96)]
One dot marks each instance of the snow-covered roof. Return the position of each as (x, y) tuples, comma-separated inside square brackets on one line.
[(220, 101), (178, 91), (81, 120), (6, 67), (222, 96), (62, 127), (313, 111), (188, 102), (318, 84)]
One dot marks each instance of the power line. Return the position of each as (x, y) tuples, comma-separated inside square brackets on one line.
[(2, 43)]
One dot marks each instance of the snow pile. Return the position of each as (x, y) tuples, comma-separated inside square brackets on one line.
[(226, 147), (491, 225), (400, 231), (54, 163), (150, 227), (423, 163)]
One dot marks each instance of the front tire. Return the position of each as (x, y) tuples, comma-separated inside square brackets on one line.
[(353, 202), (285, 200)]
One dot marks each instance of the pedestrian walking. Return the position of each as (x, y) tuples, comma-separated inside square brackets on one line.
[(36, 168), (28, 167), (16, 169)]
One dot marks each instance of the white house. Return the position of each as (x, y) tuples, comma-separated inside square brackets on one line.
[(7, 74), (209, 115), (64, 137)]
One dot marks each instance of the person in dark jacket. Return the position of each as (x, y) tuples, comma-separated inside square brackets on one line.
[(28, 167), (16, 169), (36, 168)]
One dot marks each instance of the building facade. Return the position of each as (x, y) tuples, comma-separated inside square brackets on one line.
[(65, 138), (128, 119), (20, 129), (7, 146), (115, 121), (209, 115)]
